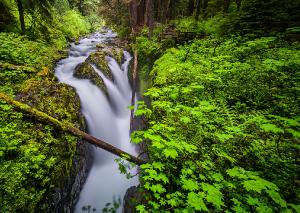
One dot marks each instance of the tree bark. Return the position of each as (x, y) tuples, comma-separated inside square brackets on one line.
[(140, 12), (167, 11), (21, 15), (149, 16), (198, 10), (133, 14), (68, 127)]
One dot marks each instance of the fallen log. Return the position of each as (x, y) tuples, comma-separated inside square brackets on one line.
[(68, 127)]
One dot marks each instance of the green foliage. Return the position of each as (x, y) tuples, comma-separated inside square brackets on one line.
[(19, 50), (34, 158), (223, 127), (73, 24)]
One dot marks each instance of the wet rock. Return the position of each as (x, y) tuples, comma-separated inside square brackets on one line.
[(75, 159), (132, 198), (101, 45), (86, 71), (65, 198), (98, 59)]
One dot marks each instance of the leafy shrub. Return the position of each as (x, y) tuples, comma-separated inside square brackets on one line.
[(223, 128), (19, 50), (73, 24)]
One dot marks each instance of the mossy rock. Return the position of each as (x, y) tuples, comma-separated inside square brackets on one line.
[(115, 52), (57, 100), (98, 59), (61, 102), (86, 71)]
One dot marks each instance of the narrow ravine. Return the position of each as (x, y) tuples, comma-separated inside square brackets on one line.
[(108, 118)]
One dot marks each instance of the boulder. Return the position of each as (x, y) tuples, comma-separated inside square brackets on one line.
[(86, 71)]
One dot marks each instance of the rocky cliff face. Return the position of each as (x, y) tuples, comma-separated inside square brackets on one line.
[(64, 198)]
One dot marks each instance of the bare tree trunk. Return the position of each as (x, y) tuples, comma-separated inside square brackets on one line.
[(226, 6), (133, 14), (68, 127), (198, 10), (149, 16), (166, 11), (21, 15), (140, 12)]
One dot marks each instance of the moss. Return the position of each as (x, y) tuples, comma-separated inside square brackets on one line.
[(50, 151), (116, 53), (98, 58), (86, 71)]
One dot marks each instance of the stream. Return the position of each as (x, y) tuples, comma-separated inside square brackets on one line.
[(107, 119)]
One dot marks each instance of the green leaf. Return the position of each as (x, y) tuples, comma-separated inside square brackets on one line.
[(277, 198), (271, 128), (189, 184), (196, 201), (213, 196), (185, 120), (237, 172), (170, 153)]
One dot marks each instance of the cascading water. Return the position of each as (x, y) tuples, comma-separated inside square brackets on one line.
[(107, 119)]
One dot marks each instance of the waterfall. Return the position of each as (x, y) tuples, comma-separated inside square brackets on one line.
[(108, 118)]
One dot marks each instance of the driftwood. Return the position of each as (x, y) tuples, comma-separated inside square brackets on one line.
[(68, 127)]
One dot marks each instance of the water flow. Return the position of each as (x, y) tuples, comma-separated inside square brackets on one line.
[(107, 119)]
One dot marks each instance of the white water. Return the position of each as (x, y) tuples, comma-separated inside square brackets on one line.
[(107, 118)]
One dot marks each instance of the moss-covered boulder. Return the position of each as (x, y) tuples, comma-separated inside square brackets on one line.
[(86, 71), (115, 52), (99, 58)]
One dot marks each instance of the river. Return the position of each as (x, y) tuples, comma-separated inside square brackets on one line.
[(108, 118)]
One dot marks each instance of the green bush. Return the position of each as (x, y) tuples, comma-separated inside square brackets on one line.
[(223, 128), (19, 50), (74, 24)]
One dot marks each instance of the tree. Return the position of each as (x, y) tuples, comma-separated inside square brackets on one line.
[(149, 16), (21, 15), (68, 127), (31, 7), (204, 7), (133, 14)]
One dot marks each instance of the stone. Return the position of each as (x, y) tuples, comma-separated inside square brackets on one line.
[(86, 71)]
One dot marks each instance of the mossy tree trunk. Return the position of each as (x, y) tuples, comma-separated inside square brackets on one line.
[(68, 127)]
